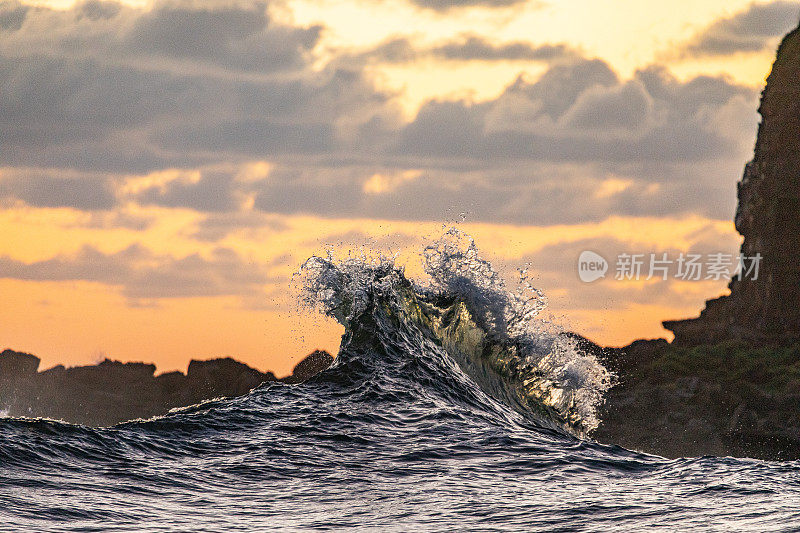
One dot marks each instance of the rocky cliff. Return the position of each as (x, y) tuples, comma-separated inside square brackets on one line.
[(112, 392), (765, 309), (729, 383)]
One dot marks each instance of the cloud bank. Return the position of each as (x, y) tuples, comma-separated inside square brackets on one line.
[(100, 98)]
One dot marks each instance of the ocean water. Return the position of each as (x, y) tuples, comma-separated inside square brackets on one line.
[(451, 406)]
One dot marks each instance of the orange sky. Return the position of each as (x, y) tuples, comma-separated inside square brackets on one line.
[(168, 246), (77, 322)]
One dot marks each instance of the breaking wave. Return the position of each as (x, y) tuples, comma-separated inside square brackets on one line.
[(466, 326)]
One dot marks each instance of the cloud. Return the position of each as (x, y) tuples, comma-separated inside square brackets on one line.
[(625, 107), (478, 48), (217, 226), (519, 158), (582, 112), (126, 90), (213, 191), (117, 219), (466, 48), (752, 30), (446, 5), (555, 268), (390, 243), (141, 274), (43, 188), (241, 37), (12, 15), (102, 92), (538, 193)]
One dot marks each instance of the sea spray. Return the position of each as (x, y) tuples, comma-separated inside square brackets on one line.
[(494, 334)]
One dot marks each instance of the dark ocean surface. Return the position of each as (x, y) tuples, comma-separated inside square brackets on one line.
[(448, 408)]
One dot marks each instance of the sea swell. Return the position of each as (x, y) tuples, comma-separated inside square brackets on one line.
[(451, 405)]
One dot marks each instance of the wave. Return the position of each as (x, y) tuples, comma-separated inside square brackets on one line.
[(451, 404), (465, 325)]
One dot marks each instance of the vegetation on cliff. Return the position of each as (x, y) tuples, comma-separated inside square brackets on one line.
[(724, 399)]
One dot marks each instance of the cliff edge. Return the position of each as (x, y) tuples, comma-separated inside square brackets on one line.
[(764, 309)]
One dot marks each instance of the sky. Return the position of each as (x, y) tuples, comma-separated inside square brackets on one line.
[(166, 166)]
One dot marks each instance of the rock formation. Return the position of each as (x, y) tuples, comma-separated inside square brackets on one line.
[(112, 392), (313, 364), (765, 310), (729, 383)]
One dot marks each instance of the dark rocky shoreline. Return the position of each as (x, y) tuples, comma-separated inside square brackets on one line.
[(112, 392), (723, 399)]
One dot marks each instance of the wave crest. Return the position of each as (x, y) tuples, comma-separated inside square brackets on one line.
[(494, 334)]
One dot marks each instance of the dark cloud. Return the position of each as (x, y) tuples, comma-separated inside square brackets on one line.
[(239, 37), (97, 10), (251, 137), (47, 189), (479, 48), (446, 5), (539, 193), (287, 191), (468, 48), (141, 274), (214, 191), (217, 226), (61, 102), (752, 30), (12, 15), (561, 85), (625, 107)]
